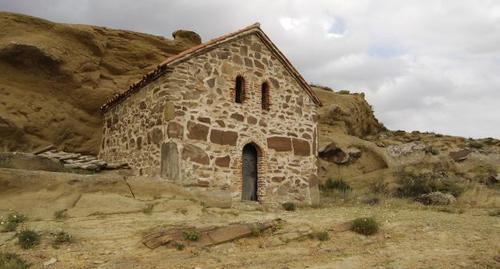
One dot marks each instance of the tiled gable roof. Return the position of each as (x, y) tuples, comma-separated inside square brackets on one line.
[(163, 67)]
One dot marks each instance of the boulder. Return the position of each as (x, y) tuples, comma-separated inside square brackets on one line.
[(332, 153), (187, 36), (493, 179), (405, 149), (460, 155), (354, 153), (436, 198)]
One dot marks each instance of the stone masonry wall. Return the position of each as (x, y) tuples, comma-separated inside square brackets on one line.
[(193, 106)]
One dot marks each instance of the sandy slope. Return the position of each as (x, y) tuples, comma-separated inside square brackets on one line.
[(54, 77)]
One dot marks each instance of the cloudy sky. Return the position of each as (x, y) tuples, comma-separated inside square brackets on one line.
[(425, 65)]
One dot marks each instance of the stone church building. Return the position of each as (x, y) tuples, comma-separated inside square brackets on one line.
[(231, 114)]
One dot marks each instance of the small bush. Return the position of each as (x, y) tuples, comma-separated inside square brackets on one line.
[(339, 185), (12, 221), (28, 239), (61, 238), (289, 206), (344, 92), (12, 261), (371, 200), (431, 150), (476, 145), (179, 246), (256, 231), (413, 184), (321, 236), (148, 210), (60, 214), (365, 226), (495, 213), (379, 187), (191, 235)]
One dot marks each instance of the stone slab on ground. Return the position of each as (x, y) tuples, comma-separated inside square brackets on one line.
[(208, 236)]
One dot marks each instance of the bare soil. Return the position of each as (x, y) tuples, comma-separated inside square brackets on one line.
[(107, 225)]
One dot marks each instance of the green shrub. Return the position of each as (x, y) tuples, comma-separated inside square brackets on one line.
[(365, 226), (476, 145), (339, 185), (413, 184), (12, 221), (431, 150), (379, 187), (191, 235), (28, 239), (255, 230), (12, 261), (483, 173), (60, 214), (289, 206), (149, 209), (179, 246), (61, 238), (344, 92), (321, 236), (494, 213)]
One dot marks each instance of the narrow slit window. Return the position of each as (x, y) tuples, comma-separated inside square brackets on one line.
[(239, 90), (265, 96)]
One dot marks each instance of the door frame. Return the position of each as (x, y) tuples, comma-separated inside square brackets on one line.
[(258, 163)]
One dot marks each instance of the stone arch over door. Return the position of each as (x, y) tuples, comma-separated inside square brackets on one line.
[(170, 161), (250, 162)]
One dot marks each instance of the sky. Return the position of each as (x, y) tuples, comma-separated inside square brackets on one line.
[(427, 65)]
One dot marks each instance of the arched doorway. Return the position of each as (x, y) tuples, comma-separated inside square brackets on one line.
[(249, 172)]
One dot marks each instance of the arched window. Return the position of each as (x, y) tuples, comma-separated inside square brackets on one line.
[(265, 96), (239, 90)]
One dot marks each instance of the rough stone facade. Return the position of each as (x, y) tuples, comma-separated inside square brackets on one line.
[(190, 115)]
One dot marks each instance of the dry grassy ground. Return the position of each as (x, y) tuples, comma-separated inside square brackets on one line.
[(107, 225)]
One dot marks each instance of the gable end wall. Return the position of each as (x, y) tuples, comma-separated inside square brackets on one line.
[(194, 107)]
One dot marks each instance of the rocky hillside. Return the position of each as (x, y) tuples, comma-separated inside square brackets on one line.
[(54, 77)]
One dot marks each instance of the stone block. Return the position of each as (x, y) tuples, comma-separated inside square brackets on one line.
[(223, 137), (279, 143), (195, 154), (251, 120), (301, 147), (175, 130), (156, 136), (204, 120), (197, 131), (169, 111), (223, 161), (237, 117)]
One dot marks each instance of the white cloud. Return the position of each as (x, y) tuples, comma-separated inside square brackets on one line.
[(424, 65), (292, 24)]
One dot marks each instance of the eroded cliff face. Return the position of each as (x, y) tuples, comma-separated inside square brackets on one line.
[(54, 77)]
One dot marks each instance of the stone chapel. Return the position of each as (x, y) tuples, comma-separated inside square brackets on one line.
[(231, 114)]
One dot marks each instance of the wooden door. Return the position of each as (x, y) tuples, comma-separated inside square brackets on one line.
[(249, 171)]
